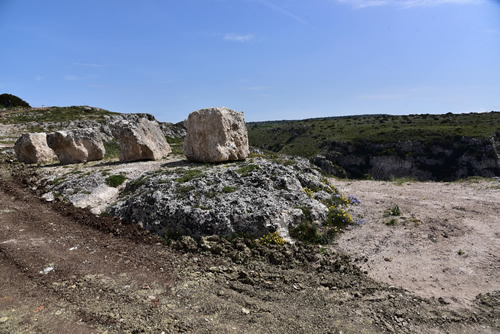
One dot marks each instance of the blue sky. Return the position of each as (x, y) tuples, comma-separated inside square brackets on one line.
[(272, 59)]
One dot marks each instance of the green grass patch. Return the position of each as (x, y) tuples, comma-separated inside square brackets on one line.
[(182, 191), (115, 180), (189, 174), (56, 114), (246, 170)]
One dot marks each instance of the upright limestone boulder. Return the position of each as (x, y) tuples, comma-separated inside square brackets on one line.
[(75, 146), (140, 139), (32, 148), (215, 135)]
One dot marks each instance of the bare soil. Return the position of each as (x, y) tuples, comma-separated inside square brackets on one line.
[(65, 270), (445, 244)]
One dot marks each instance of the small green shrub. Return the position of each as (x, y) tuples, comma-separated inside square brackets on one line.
[(393, 211), (115, 180), (306, 232), (271, 238), (338, 218)]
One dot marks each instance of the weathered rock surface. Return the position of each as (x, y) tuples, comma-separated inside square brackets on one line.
[(32, 148), (216, 135), (438, 161), (253, 199), (140, 139), (75, 146)]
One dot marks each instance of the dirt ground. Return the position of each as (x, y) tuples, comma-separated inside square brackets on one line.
[(445, 244), (64, 270)]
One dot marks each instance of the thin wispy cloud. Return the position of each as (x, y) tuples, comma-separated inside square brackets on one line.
[(71, 77), (88, 65), (285, 12), (405, 3), (232, 37), (382, 96)]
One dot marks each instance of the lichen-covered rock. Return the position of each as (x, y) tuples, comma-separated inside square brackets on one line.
[(252, 198), (140, 139), (216, 135), (75, 146), (32, 148)]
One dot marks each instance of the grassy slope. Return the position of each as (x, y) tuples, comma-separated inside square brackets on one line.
[(30, 119), (305, 137), (53, 114)]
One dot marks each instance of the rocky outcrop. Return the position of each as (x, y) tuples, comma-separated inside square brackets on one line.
[(215, 135), (75, 146), (140, 139), (252, 199), (32, 148), (438, 161), (171, 130)]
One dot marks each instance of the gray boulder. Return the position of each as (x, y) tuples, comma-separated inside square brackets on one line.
[(32, 148), (250, 198), (140, 139), (216, 135), (75, 146)]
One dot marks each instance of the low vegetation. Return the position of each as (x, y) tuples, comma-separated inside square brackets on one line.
[(55, 114), (307, 137), (115, 180)]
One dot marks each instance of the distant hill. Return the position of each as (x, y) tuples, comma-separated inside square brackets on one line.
[(437, 147), (14, 101)]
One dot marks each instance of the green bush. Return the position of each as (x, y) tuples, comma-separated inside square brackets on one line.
[(14, 101), (306, 232), (115, 180)]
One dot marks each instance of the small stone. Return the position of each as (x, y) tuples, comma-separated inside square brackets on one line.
[(4, 320), (245, 310)]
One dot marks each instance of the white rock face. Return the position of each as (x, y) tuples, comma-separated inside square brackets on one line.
[(215, 135), (76, 146), (140, 139), (97, 200), (32, 148)]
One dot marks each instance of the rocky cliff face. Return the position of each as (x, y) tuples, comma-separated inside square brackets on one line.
[(438, 161)]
